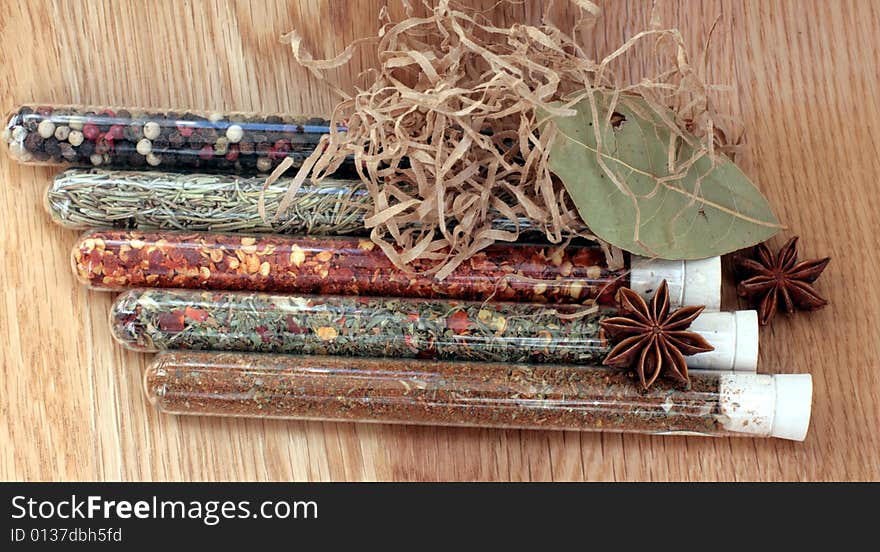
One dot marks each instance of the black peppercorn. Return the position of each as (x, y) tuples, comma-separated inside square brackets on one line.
[(33, 143), (210, 135), (176, 140), (103, 145), (52, 149), (196, 140), (86, 149), (67, 151), (133, 132)]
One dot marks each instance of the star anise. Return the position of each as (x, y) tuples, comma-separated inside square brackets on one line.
[(656, 340), (780, 281)]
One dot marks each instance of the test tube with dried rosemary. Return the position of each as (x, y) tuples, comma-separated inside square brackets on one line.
[(160, 319), (126, 138), (496, 395), (117, 259), (155, 200), (148, 200)]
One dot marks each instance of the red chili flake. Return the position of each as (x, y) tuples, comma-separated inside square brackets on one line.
[(172, 321), (199, 315), (207, 152), (111, 263), (265, 333), (156, 259), (293, 327), (192, 255), (91, 131), (412, 317), (458, 322)]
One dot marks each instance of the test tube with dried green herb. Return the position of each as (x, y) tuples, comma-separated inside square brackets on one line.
[(138, 138), (160, 319), (154, 200), (117, 259), (476, 394), (145, 200)]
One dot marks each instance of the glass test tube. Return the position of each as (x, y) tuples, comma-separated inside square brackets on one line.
[(476, 394), (118, 259), (157, 200), (122, 138), (161, 319)]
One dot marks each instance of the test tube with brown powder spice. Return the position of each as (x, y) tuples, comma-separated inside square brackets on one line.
[(491, 395)]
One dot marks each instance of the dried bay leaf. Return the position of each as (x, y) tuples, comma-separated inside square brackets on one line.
[(671, 200)]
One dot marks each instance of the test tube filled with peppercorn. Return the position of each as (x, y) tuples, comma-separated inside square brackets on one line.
[(476, 394), (159, 319), (145, 138), (118, 259)]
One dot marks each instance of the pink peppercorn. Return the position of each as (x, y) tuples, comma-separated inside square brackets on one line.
[(91, 131), (232, 154), (116, 132), (207, 152), (279, 150)]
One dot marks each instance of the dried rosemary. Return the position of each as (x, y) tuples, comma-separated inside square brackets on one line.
[(148, 200)]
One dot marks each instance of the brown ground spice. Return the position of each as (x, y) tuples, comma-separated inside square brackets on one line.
[(428, 393)]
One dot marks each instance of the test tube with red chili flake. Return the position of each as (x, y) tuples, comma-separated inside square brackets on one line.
[(476, 394), (118, 259), (123, 138)]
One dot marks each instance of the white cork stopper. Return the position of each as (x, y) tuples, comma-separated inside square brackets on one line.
[(735, 338), (696, 282), (767, 406)]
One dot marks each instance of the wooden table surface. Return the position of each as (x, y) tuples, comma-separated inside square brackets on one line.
[(804, 78)]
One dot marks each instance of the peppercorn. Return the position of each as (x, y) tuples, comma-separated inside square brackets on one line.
[(51, 147), (264, 164), (246, 147), (134, 132), (221, 146), (67, 151), (144, 147), (207, 152), (46, 128), (116, 132), (91, 131), (62, 132), (232, 154), (103, 145), (176, 140), (33, 143), (152, 130)]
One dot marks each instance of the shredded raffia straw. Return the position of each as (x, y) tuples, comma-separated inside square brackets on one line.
[(448, 126)]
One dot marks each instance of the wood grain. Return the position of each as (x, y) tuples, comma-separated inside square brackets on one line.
[(804, 78)]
